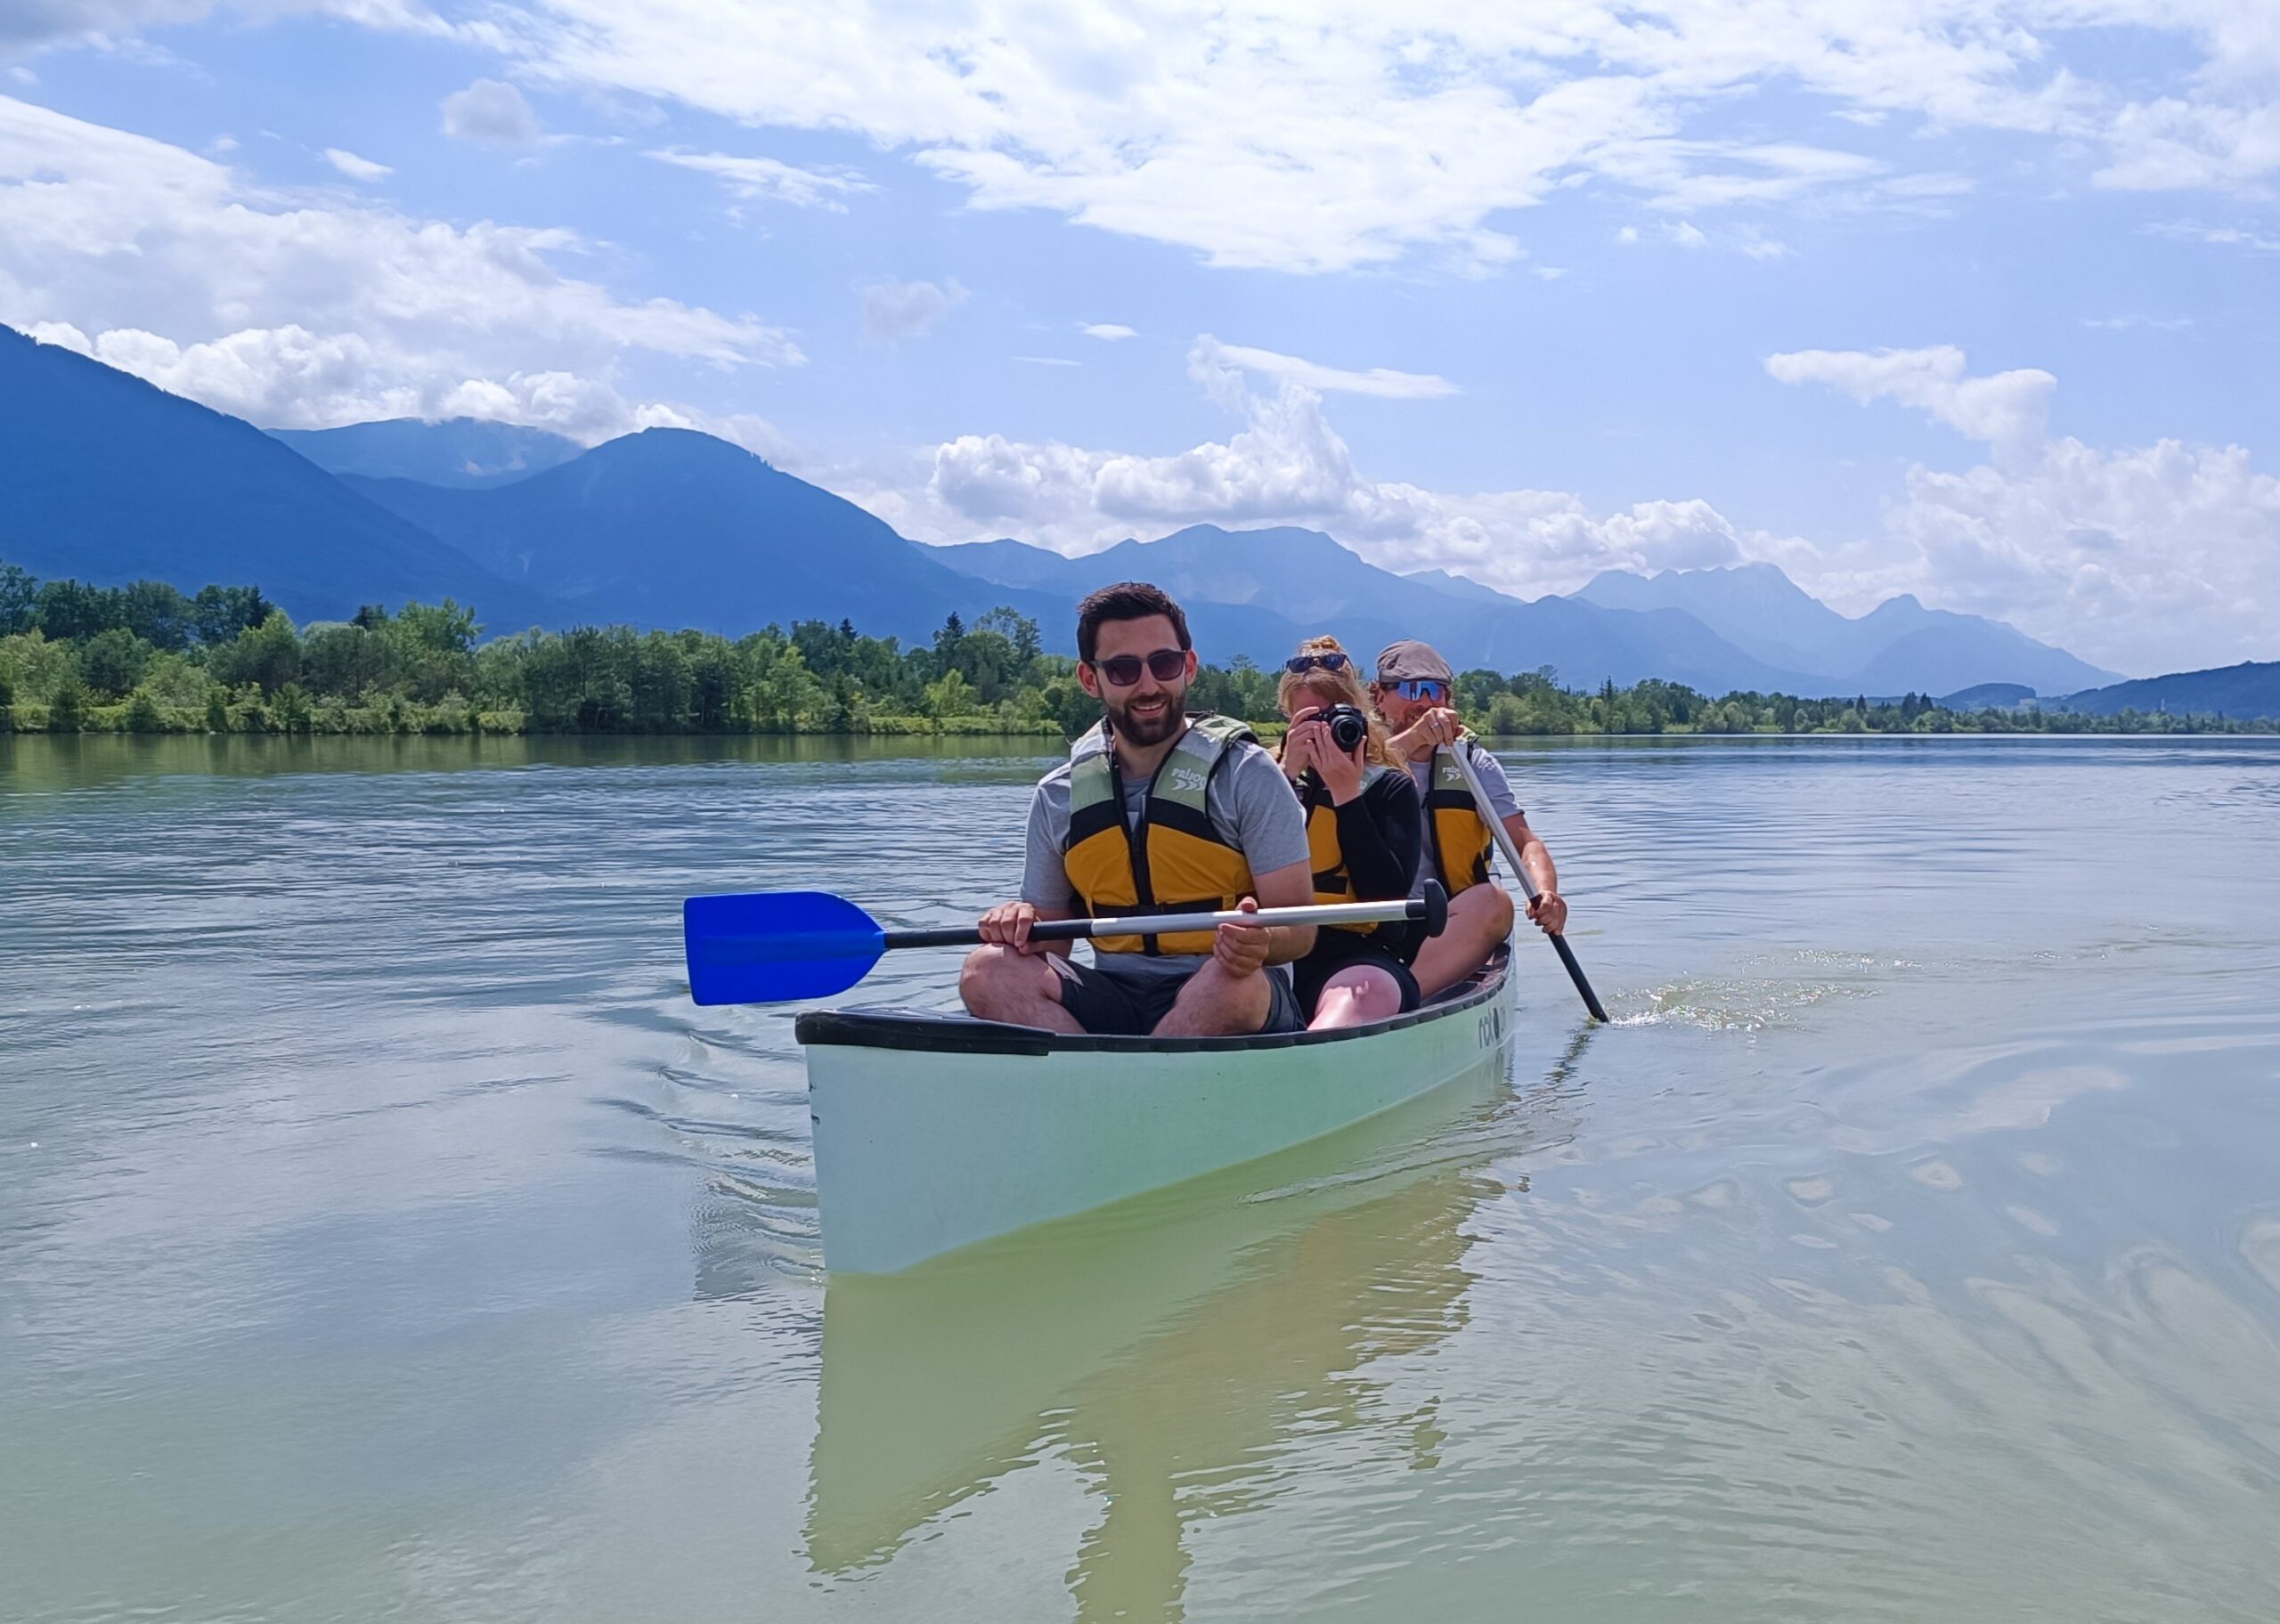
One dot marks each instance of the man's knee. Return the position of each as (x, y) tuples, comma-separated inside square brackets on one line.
[(993, 971), (1492, 906), (1216, 1003)]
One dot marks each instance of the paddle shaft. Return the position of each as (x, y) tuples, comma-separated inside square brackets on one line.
[(1167, 924), (1504, 844)]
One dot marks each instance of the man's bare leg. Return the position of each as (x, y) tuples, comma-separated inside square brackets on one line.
[(1480, 916), (1000, 984), (1216, 1005)]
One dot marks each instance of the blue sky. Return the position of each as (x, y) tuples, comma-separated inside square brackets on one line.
[(1969, 300)]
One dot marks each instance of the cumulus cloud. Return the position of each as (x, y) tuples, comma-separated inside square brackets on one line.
[(491, 112), (1210, 355), (2006, 409), (772, 180), (2146, 559), (895, 311), (1314, 143), (34, 24), (1286, 464), (1108, 332), (309, 310), (354, 167)]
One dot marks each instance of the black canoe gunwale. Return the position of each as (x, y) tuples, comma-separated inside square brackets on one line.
[(930, 1032)]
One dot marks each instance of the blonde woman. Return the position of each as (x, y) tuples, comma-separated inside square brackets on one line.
[(1364, 833)]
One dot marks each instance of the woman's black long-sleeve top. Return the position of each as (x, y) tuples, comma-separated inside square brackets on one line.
[(1380, 832)]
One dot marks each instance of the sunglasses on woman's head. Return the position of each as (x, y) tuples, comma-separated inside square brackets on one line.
[(1122, 671), (1421, 688), (1298, 665)]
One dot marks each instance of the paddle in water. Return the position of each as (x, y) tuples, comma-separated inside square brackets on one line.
[(1512, 857), (774, 946)]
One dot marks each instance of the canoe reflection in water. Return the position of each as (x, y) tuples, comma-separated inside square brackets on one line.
[(1168, 1347)]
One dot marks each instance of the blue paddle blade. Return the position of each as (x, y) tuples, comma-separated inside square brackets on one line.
[(772, 946)]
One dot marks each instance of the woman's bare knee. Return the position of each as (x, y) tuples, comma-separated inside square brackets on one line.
[(1356, 996)]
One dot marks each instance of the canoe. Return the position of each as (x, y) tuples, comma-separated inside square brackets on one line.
[(933, 1131)]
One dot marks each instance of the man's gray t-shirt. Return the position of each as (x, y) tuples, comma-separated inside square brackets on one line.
[(1500, 796), (1250, 801)]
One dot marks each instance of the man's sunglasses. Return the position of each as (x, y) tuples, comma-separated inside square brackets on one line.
[(1419, 688), (1298, 665), (1122, 671)]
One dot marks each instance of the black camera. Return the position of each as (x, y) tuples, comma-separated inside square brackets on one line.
[(1348, 726)]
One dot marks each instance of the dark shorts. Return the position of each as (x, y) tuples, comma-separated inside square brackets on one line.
[(1336, 950), (1116, 1006)]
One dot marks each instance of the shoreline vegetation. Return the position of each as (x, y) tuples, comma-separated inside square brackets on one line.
[(148, 658)]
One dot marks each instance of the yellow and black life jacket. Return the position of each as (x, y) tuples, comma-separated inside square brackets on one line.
[(1332, 884), (1460, 835), (1176, 861)]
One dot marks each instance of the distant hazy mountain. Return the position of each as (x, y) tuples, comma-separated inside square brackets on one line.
[(109, 479), (1988, 696), (2245, 691), (675, 529), (1297, 582), (1899, 647), (460, 451), (1460, 586)]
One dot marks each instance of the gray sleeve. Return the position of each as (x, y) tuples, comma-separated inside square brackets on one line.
[(1045, 877), (1263, 810), (1499, 787)]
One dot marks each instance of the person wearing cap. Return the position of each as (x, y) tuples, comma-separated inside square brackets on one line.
[(1415, 692)]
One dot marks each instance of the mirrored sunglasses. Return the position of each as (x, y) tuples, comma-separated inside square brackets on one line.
[(1298, 665), (1122, 671), (1422, 688)]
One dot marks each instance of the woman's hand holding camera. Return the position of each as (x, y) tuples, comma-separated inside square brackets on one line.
[(1309, 744)]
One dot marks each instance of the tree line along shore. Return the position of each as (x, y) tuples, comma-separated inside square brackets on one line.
[(148, 658)]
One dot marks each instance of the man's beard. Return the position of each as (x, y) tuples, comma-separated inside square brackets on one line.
[(1168, 723)]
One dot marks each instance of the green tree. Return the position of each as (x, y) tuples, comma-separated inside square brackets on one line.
[(66, 713), (19, 600), (72, 610), (218, 614), (112, 662), (267, 655)]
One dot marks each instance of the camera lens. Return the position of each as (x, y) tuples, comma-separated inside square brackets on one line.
[(1347, 727)]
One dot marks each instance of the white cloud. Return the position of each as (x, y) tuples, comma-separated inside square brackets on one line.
[(1288, 464), (1327, 138), (354, 167), (2155, 558), (2171, 145), (491, 112), (1108, 332), (1208, 355), (2219, 235), (2008, 409), (772, 180), (2120, 324), (35, 24), (1048, 360), (895, 311), (307, 311)]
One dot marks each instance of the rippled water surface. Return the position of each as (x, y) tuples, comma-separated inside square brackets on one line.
[(383, 1234)]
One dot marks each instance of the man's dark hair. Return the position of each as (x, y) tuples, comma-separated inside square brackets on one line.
[(1128, 600)]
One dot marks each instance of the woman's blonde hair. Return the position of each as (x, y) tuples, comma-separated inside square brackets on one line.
[(1342, 686)]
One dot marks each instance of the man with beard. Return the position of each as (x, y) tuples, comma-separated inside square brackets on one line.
[(1154, 812)]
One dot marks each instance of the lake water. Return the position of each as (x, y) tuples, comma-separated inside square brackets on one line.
[(383, 1234)]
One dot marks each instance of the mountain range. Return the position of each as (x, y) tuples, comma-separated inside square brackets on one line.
[(108, 478)]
